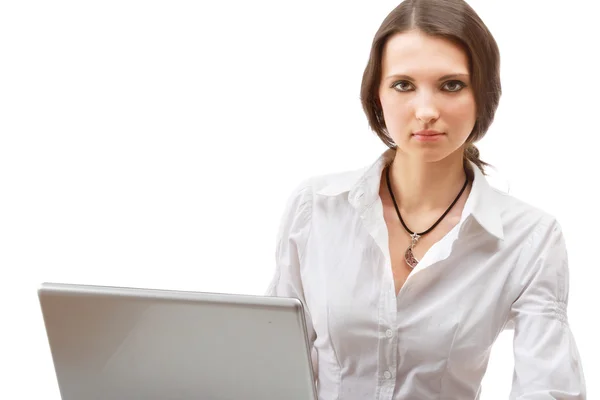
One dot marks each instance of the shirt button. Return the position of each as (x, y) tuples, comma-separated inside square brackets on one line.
[(389, 333), (387, 375)]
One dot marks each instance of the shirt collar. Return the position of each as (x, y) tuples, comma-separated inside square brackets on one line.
[(363, 190), (483, 204)]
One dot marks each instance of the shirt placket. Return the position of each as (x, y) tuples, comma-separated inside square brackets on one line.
[(388, 337), (372, 217)]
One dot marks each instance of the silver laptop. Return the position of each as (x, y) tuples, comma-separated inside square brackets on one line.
[(123, 343)]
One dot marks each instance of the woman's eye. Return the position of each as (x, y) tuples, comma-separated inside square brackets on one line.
[(402, 86), (454, 86), (450, 86)]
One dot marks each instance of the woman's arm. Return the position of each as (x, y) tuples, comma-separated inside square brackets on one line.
[(547, 362), (291, 240)]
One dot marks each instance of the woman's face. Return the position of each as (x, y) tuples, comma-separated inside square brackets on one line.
[(425, 85)]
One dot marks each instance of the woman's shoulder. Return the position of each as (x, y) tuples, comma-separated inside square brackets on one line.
[(311, 193), (521, 215), (345, 180), (328, 184)]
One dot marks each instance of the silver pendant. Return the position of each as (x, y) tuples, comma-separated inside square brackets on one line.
[(409, 257)]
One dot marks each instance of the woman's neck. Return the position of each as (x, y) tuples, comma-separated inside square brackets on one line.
[(421, 186)]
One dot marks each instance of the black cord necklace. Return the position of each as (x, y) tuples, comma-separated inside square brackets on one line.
[(408, 254)]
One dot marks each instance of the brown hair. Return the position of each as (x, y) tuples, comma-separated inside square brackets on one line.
[(454, 20)]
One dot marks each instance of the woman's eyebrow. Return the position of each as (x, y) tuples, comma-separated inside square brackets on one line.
[(443, 78)]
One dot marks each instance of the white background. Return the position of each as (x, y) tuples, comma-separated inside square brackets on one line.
[(154, 143)]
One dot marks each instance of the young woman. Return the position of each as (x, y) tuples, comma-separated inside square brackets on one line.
[(409, 269)]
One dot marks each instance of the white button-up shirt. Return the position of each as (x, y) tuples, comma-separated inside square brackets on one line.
[(503, 266)]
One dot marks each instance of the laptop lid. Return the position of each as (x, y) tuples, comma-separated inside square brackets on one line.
[(127, 343)]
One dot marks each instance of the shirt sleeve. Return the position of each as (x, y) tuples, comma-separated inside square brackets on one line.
[(547, 361), (290, 244)]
